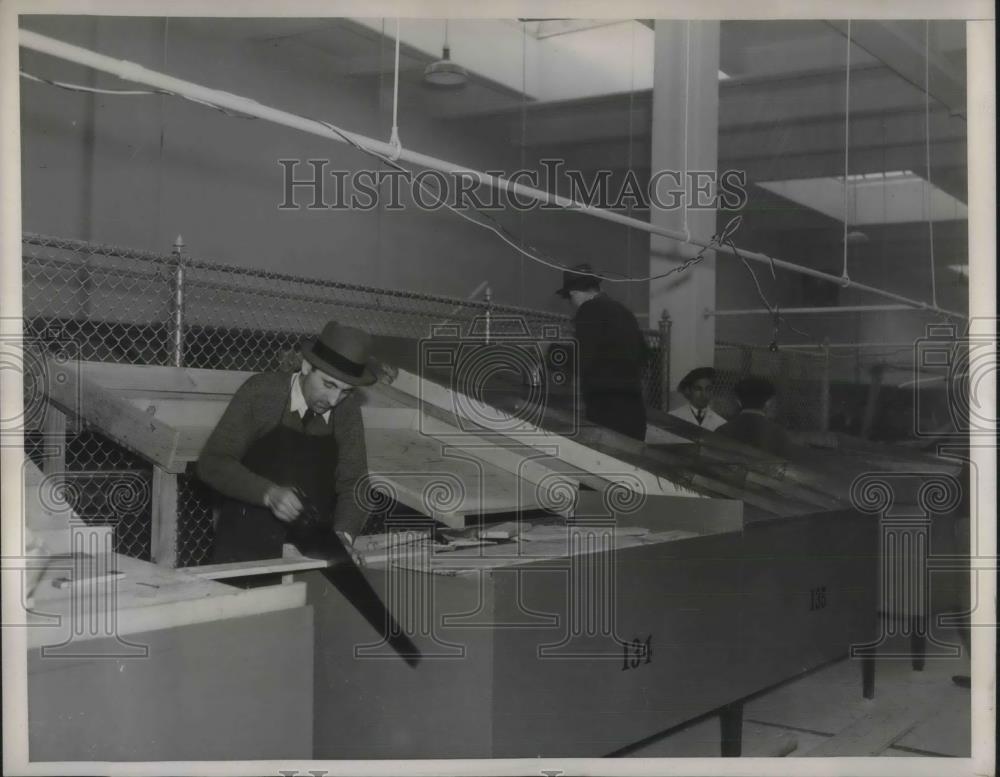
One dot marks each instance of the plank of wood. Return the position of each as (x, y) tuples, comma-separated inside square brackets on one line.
[(76, 394), (438, 398), (599, 451), (164, 518), (192, 410), (418, 468), (190, 441), (133, 378), (199, 601), (873, 733), (254, 568), (535, 467)]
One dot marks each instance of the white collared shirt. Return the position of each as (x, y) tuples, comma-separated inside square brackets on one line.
[(710, 420), (299, 401)]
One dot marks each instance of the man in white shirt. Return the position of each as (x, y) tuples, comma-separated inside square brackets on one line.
[(697, 390)]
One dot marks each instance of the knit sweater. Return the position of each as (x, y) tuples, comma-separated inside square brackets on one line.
[(257, 407)]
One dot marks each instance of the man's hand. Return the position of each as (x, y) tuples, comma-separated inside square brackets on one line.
[(386, 373), (349, 546), (283, 502)]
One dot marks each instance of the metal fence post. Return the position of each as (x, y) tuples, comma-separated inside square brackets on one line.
[(824, 389), (871, 404), (488, 296), (177, 311), (784, 384), (665, 325)]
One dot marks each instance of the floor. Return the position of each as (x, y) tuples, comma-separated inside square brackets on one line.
[(913, 714)]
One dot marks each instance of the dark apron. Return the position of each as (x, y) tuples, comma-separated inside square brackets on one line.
[(290, 458)]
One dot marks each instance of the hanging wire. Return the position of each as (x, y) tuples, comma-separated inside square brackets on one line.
[(524, 145), (722, 237), (847, 144), (394, 133), (927, 144), (687, 114), (131, 93), (631, 103)]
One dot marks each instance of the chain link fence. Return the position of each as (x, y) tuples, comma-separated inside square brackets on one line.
[(121, 305), (800, 378)]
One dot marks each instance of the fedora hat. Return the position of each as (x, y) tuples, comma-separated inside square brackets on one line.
[(578, 278), (342, 352)]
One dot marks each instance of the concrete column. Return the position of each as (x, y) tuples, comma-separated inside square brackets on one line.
[(686, 78)]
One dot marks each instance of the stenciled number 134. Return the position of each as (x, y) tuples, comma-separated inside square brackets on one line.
[(636, 652)]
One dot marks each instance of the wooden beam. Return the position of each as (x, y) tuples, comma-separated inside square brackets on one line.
[(164, 529), (602, 452), (54, 434), (134, 379), (75, 394)]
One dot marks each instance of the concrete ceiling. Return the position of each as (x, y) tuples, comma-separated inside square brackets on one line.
[(781, 112)]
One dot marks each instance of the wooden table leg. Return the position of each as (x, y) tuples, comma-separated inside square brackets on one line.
[(868, 676), (731, 729)]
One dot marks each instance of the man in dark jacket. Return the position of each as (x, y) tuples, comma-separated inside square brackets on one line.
[(611, 354), (752, 426), (291, 442)]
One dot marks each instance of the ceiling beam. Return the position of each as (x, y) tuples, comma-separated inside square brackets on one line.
[(776, 112), (901, 47)]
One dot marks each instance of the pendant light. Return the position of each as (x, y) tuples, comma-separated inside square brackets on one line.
[(444, 73)]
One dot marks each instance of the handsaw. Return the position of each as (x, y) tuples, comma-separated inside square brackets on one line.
[(310, 534)]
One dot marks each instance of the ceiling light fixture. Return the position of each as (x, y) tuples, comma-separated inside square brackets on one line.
[(445, 73)]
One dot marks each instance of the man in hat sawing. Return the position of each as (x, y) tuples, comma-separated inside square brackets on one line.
[(286, 442), (611, 353), (696, 387)]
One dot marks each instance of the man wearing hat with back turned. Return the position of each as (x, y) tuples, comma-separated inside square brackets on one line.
[(290, 444), (611, 354), (752, 426), (696, 387)]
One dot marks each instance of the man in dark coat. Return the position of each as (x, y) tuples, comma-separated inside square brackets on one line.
[(290, 442), (752, 426), (611, 354)]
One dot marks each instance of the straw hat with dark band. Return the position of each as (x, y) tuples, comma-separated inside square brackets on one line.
[(342, 352), (579, 278), (698, 373)]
